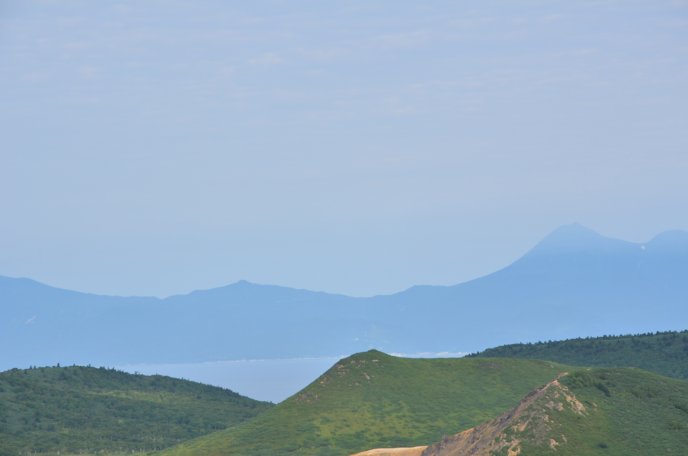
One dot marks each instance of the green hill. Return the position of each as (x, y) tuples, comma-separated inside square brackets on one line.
[(665, 353), (82, 409), (591, 412), (373, 399)]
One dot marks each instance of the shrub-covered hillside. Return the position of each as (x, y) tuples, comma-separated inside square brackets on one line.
[(590, 412), (372, 399), (84, 409)]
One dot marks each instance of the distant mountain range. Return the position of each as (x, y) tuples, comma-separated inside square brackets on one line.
[(575, 282)]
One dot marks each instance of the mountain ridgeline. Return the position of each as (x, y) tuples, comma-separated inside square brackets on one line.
[(373, 399), (665, 353), (467, 406), (573, 283), (85, 410), (477, 405), (587, 412)]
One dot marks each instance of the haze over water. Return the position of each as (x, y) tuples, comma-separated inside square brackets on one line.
[(265, 379)]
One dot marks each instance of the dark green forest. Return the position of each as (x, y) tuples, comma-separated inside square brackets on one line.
[(664, 353), (90, 410)]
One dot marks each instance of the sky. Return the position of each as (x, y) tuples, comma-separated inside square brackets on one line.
[(153, 147)]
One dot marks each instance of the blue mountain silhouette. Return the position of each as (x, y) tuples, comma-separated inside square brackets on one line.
[(575, 282)]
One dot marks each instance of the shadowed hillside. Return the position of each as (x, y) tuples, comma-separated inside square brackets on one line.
[(87, 410)]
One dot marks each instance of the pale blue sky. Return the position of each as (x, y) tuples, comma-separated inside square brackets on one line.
[(155, 147)]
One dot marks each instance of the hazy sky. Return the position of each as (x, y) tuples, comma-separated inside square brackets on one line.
[(155, 147)]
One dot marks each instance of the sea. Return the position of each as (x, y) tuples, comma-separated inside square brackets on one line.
[(272, 380)]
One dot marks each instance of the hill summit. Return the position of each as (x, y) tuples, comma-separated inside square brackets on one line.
[(576, 238), (372, 399)]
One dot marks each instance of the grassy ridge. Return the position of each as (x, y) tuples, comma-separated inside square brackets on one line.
[(84, 409), (665, 353), (373, 400), (590, 412), (636, 410), (629, 412)]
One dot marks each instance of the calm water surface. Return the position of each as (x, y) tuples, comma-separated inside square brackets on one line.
[(264, 379)]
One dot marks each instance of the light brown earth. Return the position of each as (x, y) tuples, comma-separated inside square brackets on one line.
[(415, 451), (501, 435)]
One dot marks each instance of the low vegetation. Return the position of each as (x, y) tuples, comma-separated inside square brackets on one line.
[(66, 410), (494, 400), (373, 400), (590, 412), (627, 412)]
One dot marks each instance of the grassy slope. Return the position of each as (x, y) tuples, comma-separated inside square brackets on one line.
[(83, 409), (629, 412), (374, 400), (590, 412), (663, 353)]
